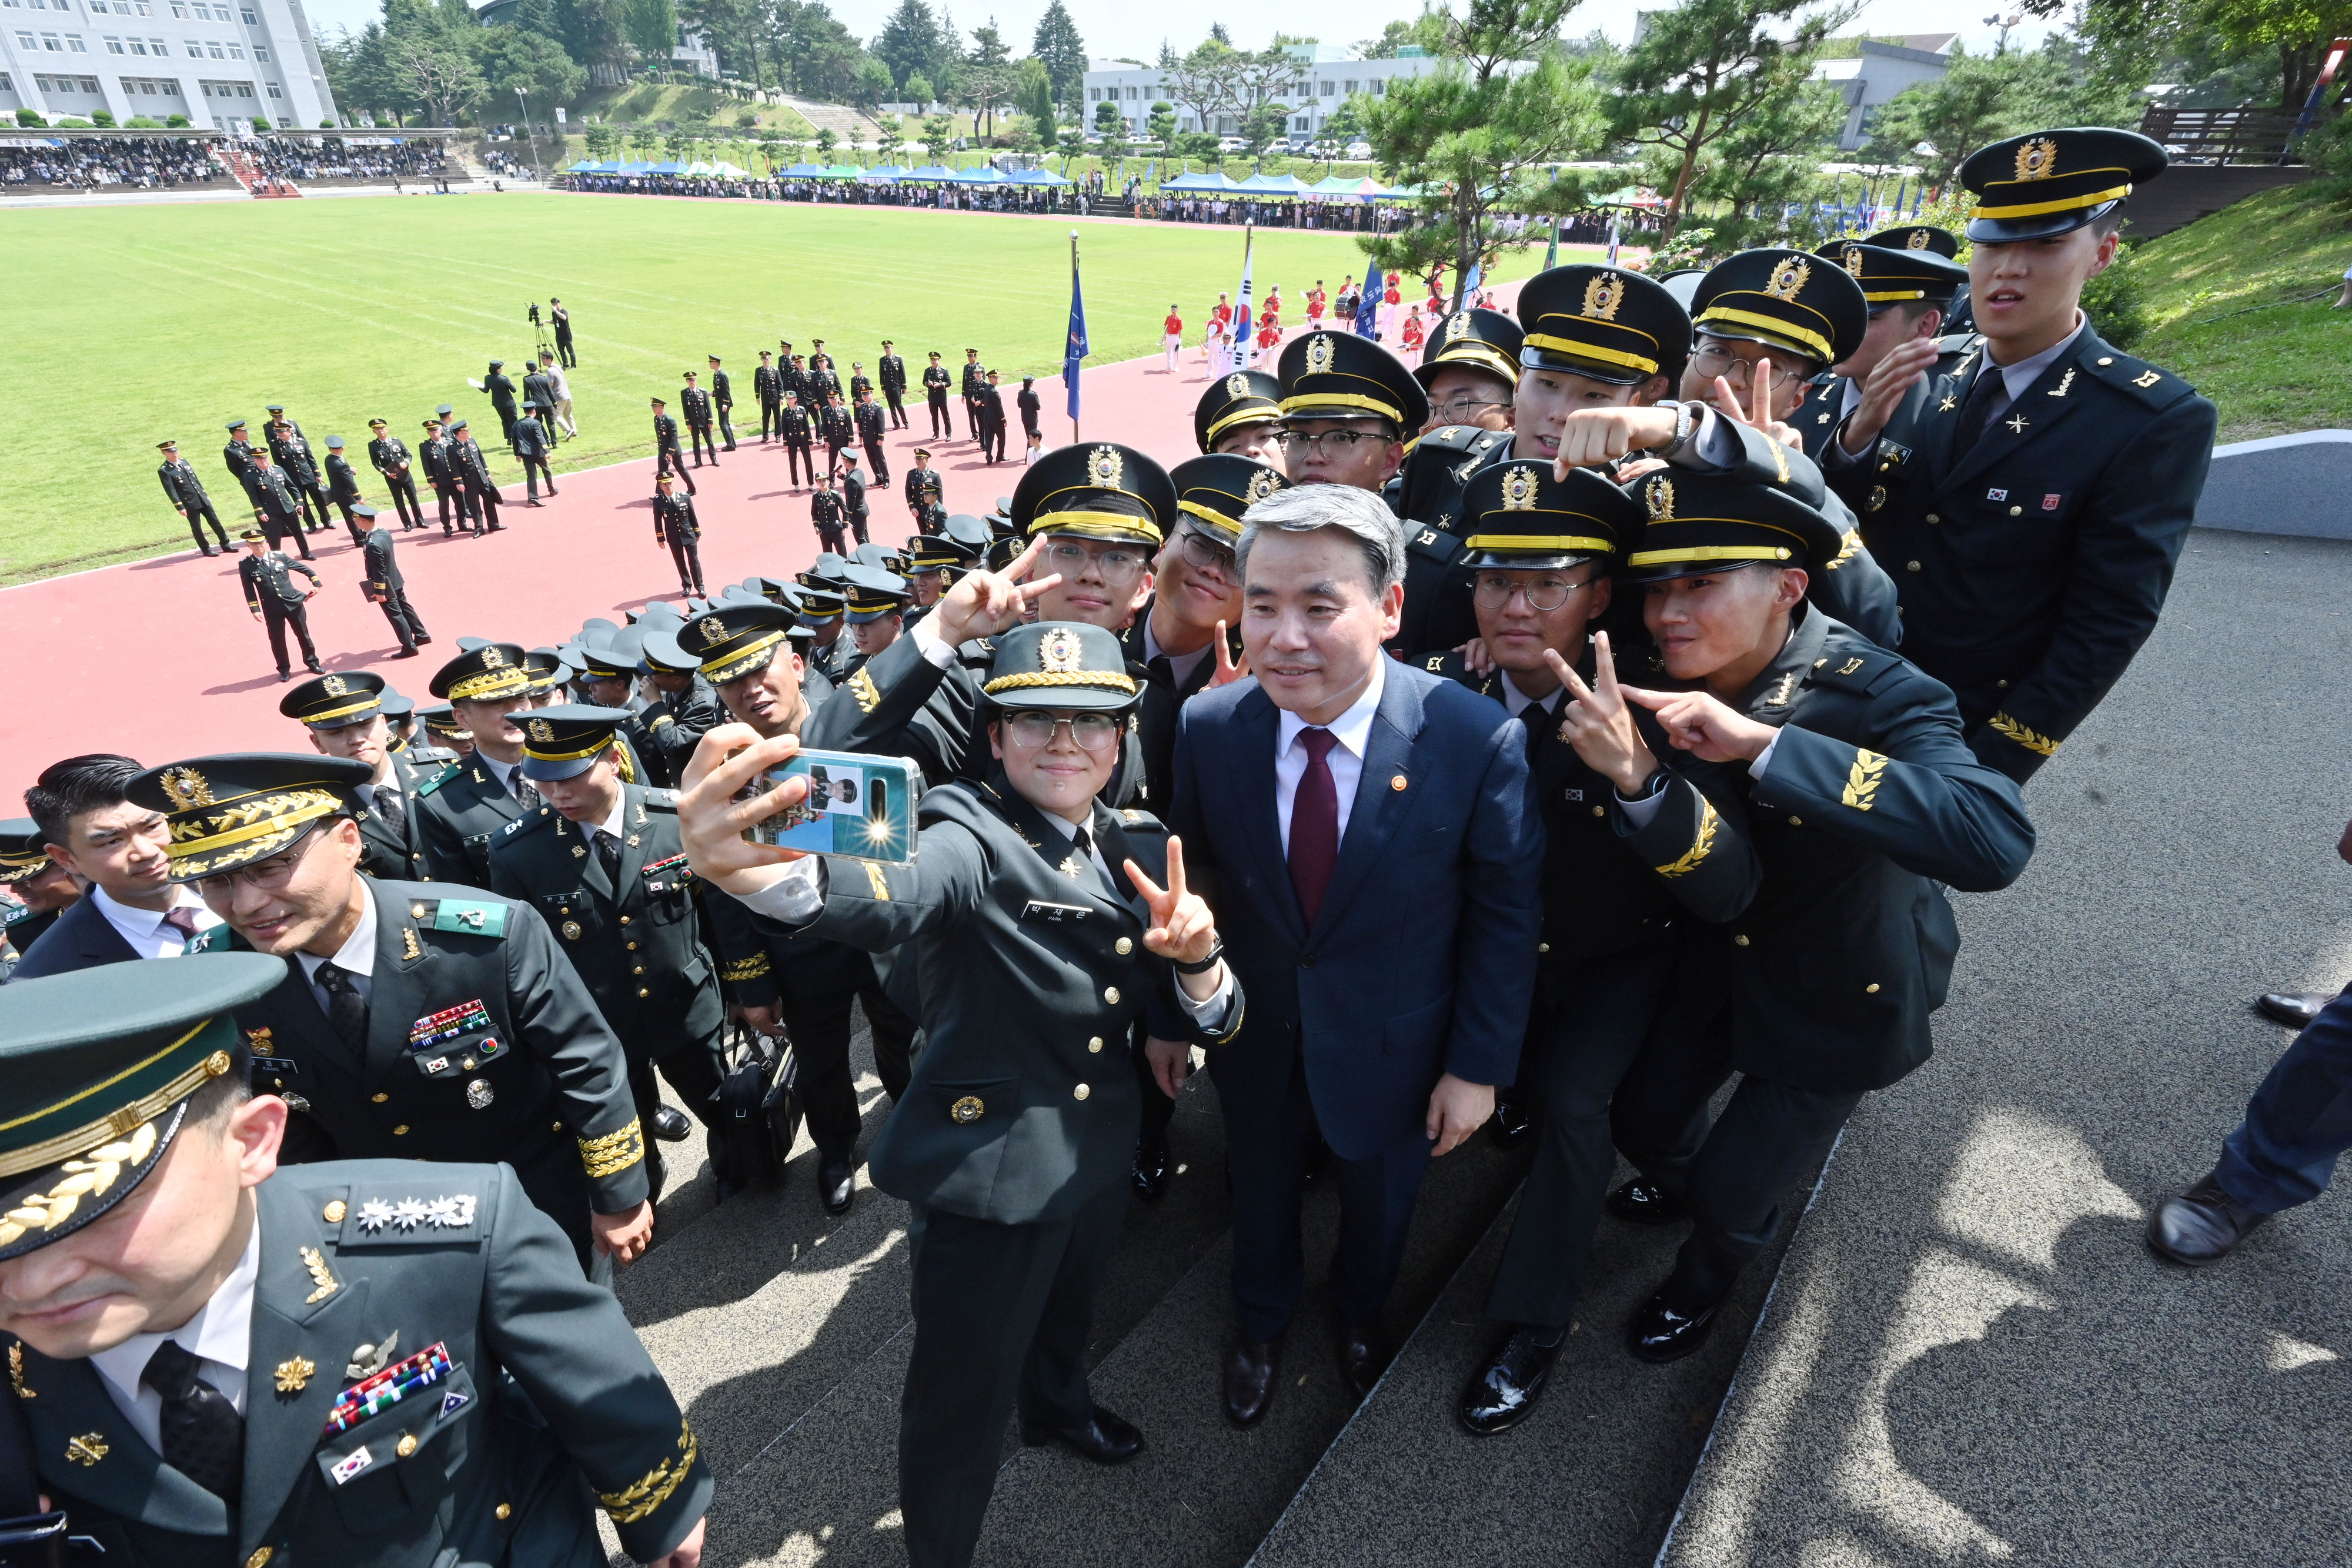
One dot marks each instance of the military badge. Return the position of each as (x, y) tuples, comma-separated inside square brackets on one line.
[(479, 1094), (1260, 486), (968, 1109), (1058, 650), (1105, 466), (1603, 296), (1519, 489), (188, 787), (542, 731), (1319, 354), (1658, 496), (1458, 328), (336, 686), (1787, 279), (1918, 240), (1237, 385), (1854, 260), (492, 659), (2037, 159), (294, 1373)]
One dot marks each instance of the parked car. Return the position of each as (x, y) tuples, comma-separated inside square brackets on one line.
[(1232, 144), (1360, 152)]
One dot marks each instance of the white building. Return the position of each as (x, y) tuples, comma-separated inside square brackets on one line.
[(1867, 83), (213, 62), (1327, 78)]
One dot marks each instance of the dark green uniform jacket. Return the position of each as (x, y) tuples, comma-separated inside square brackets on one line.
[(640, 948), (2034, 565), (1869, 799), (547, 1385), (387, 850), (1023, 1104), (459, 809), (482, 1045)]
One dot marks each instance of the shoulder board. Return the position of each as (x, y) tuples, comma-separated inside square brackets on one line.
[(1136, 821), (525, 822), (426, 786), (441, 1208), (661, 800), (1956, 343), (17, 915), (2136, 378), (212, 941), (1435, 544), (466, 915), (1852, 667)]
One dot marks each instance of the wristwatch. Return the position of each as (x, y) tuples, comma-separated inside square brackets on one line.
[(1216, 955), (1685, 422)]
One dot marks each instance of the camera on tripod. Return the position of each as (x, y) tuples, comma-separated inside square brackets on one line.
[(534, 312)]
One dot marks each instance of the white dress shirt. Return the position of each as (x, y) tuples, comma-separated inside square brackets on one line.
[(219, 1336), (1353, 730), (355, 958), (144, 928)]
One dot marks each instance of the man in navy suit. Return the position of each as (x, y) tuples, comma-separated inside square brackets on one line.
[(1368, 835), (135, 909)]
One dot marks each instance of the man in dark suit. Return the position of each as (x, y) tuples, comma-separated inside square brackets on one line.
[(538, 388), (677, 526), (238, 452), (722, 403), (291, 450), (1316, 800), (870, 432), (936, 382), (463, 806), (344, 717), (560, 319), (990, 403), (186, 494), (389, 456), (439, 473), (500, 388), (344, 487), (925, 489), (387, 590), (975, 382), (694, 407), (531, 446), (270, 593), (854, 509), (133, 909), (799, 436), (839, 430), (892, 374)]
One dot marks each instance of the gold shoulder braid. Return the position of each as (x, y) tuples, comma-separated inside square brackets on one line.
[(1862, 780), (2032, 740), (1699, 846), (650, 1490), (614, 1152)]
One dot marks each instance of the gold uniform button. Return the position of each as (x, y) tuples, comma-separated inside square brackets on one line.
[(406, 1446), (1933, 518), (643, 992), (379, 1097), (2002, 685), (1080, 1093), (1600, 810), (1543, 947), (1795, 821), (1095, 1044), (1739, 941), (504, 1510), (400, 1131), (261, 1555), (1910, 566), (1110, 994), (1872, 988), (416, 911), (631, 946), (334, 1212), (2017, 511), (624, 920), (1122, 946), (558, 1126), (638, 969)]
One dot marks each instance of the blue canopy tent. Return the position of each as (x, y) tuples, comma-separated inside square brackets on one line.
[(1035, 177), (1273, 185), (886, 175), (803, 171), (930, 174), (983, 175)]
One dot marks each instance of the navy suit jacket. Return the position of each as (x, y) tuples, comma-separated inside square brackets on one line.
[(82, 938), (1423, 958)]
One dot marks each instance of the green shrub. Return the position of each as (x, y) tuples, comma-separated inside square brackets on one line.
[(74, 122), (2116, 301), (143, 122), (177, 122), (260, 123), (103, 120), (30, 117)]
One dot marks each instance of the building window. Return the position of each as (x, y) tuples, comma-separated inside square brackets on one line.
[(273, 92), (179, 10), (214, 51), (1303, 122), (1380, 88), (1348, 88), (251, 19), (138, 45), (24, 40), (261, 54), (114, 46), (236, 51), (49, 42), (6, 84)]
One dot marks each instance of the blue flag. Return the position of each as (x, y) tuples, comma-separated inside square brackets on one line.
[(1076, 349), (1368, 309)]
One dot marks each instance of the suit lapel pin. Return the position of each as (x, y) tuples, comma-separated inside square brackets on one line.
[(1397, 782), (294, 1374)]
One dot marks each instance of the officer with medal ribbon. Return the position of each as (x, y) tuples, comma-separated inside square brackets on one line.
[(602, 864), (407, 1024), (2030, 488), (296, 1365), (1863, 804), (1241, 413), (1909, 291), (1045, 925), (463, 804), (345, 717)]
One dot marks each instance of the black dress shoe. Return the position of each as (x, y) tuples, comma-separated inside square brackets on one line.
[(1250, 1368), (2203, 1225), (1104, 1438), (1504, 1390), (670, 1124), (836, 1182), (1645, 1203), (1658, 1333), (1510, 1123), (1149, 1175), (2286, 1007), (1363, 1355)]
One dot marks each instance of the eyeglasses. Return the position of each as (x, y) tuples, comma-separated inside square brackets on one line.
[(1206, 554), (1714, 360), (1543, 596), (271, 875), (1092, 731), (1345, 439), (1464, 408), (1118, 564)]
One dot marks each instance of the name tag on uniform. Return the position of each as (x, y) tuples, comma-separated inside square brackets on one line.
[(1056, 913), (284, 1066)]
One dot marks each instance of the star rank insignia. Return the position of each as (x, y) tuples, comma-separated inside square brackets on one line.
[(2016, 423), (1950, 404)]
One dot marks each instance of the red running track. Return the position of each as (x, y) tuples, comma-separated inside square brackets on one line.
[(159, 659)]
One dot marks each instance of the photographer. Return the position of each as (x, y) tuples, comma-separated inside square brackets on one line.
[(562, 319)]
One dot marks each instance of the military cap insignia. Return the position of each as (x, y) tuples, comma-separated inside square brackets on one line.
[(1787, 279), (336, 686), (1058, 650), (1319, 353), (1105, 466), (1237, 385), (542, 731), (1260, 486), (1602, 295), (2037, 159), (1854, 260), (1519, 490), (1459, 328), (188, 787), (714, 630), (294, 1373), (1918, 240), (1658, 495), (492, 659)]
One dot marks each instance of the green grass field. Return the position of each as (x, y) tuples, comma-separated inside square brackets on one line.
[(171, 320)]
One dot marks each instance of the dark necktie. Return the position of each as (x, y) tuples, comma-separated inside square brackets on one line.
[(1161, 669), (347, 1010), (203, 1436), (389, 807), (1539, 719), (1313, 825), (608, 855), (183, 921), (1977, 408), (522, 787)]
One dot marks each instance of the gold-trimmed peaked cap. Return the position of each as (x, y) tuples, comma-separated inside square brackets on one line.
[(96, 1068), (2047, 183), (1917, 236), (336, 701), (1695, 524), (1517, 516), (232, 810), (1337, 375), (1604, 323), (875, 592), (1245, 397), (484, 673), (1484, 339), (24, 851), (565, 739), (956, 548), (1096, 490), (1895, 276), (734, 640), (1216, 489), (1787, 299), (1061, 664)]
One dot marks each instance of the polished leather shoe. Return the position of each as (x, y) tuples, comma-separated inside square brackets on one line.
[(1250, 1368), (1504, 1390), (1510, 1124), (1363, 1355), (2286, 1007), (670, 1124), (2203, 1225), (836, 1182), (1658, 1333), (1104, 1438), (1645, 1203), (1149, 1175)]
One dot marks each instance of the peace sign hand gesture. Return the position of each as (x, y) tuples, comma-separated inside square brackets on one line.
[(985, 603), (1228, 670), (1182, 930), (1760, 418), (1600, 726)]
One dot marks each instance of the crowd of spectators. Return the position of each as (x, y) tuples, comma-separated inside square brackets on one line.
[(86, 163), (333, 157)]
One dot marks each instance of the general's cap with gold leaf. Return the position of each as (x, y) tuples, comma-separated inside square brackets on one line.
[(335, 701), (1483, 340), (1096, 490), (1785, 299), (1697, 525), (2047, 183), (1602, 323), (1245, 397), (1061, 664), (96, 1068), (233, 810), (24, 852), (484, 673), (1519, 517), (1337, 375), (1215, 490)]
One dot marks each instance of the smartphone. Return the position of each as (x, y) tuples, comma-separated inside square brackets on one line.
[(855, 805)]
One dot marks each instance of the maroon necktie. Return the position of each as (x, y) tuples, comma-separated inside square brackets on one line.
[(182, 920), (1313, 825)]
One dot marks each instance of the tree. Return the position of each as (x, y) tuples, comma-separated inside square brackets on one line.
[(731, 28), (1979, 99), (1033, 95), (533, 64), (939, 135), (1070, 142), (985, 79), (909, 43), (891, 139), (815, 56), (651, 27), (1058, 46), (1394, 36), (1161, 126), (1203, 80), (2284, 41), (1264, 125), (1344, 125), (1217, 31), (1770, 164), (601, 139), (1475, 135), (592, 32), (1701, 72), (429, 62), (918, 90), (872, 85), (826, 143)]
